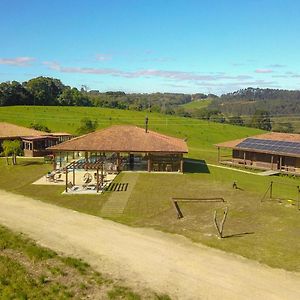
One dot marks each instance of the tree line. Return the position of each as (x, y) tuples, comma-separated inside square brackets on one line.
[(229, 108), (247, 101), (51, 91)]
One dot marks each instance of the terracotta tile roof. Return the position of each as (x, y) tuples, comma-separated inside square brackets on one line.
[(8, 130), (123, 138), (274, 136)]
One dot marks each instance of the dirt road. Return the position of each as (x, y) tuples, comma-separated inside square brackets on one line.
[(145, 257)]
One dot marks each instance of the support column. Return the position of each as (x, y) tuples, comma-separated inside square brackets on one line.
[(66, 180), (98, 179), (54, 161), (149, 162), (118, 161), (280, 162), (272, 161), (244, 158), (181, 164), (73, 173), (60, 162)]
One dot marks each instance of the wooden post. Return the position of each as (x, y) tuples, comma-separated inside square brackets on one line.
[(271, 189), (298, 198), (244, 158), (118, 162), (280, 162), (66, 180), (177, 208), (272, 161), (54, 161), (60, 162), (219, 154), (181, 164), (73, 172), (220, 227), (97, 179), (149, 162), (67, 157)]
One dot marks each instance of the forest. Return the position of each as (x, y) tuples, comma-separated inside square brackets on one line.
[(51, 91), (253, 107), (247, 101)]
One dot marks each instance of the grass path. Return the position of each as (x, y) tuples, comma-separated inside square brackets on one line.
[(145, 257), (117, 201)]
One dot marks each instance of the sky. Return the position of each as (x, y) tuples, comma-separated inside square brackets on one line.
[(213, 46)]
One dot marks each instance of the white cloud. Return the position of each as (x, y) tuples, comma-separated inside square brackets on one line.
[(17, 61)]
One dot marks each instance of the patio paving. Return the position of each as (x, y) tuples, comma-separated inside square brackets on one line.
[(79, 181)]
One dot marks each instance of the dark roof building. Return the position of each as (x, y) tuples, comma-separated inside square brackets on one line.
[(274, 151)]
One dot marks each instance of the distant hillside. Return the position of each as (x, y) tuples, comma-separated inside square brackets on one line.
[(247, 101), (201, 135), (197, 104)]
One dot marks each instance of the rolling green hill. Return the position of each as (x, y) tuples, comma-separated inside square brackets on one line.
[(197, 104), (201, 135)]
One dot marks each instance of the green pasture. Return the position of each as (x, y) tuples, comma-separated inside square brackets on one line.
[(266, 231), (197, 104), (201, 135)]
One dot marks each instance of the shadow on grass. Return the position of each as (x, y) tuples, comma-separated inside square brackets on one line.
[(30, 163), (195, 166), (237, 234)]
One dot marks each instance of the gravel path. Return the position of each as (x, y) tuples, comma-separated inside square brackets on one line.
[(147, 258)]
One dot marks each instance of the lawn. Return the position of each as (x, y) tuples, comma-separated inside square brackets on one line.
[(263, 231), (197, 104), (201, 135), (29, 271)]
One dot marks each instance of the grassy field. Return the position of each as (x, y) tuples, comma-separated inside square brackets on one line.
[(294, 120), (197, 104), (201, 135), (28, 271), (263, 231)]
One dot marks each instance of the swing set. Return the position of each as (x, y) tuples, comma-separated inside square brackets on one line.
[(270, 194)]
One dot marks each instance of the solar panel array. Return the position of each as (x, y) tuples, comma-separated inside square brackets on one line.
[(270, 145)]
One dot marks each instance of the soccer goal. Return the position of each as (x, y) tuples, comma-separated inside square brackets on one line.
[(283, 192)]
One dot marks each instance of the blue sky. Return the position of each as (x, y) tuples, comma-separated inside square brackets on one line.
[(148, 46)]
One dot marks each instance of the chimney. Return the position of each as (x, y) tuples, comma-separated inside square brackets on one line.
[(146, 124)]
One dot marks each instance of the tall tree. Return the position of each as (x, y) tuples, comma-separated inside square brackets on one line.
[(13, 93), (45, 90), (261, 119), (12, 148)]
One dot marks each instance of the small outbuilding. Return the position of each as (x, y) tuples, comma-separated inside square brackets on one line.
[(124, 147), (34, 142), (270, 151)]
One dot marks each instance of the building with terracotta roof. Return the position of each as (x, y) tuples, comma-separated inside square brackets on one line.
[(34, 142), (126, 147), (269, 151)]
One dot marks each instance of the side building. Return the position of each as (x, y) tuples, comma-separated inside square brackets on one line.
[(34, 142), (271, 151)]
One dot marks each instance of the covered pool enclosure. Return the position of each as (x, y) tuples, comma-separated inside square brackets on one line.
[(123, 148)]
